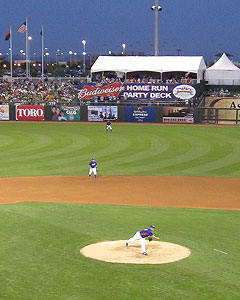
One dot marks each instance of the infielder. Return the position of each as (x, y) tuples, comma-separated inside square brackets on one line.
[(93, 168), (108, 126), (141, 235)]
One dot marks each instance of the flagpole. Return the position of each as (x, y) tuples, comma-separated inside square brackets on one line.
[(42, 53), (27, 49), (11, 58)]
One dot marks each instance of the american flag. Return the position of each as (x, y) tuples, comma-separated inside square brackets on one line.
[(7, 37), (22, 28)]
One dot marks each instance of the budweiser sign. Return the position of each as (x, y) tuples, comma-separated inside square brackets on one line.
[(30, 112), (89, 91)]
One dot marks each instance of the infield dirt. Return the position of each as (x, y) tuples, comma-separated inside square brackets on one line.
[(188, 192), (117, 252)]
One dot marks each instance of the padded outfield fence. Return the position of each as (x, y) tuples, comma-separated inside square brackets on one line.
[(121, 113), (118, 113)]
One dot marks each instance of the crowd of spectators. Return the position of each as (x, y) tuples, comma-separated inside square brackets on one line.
[(55, 92), (145, 79), (24, 91), (218, 92)]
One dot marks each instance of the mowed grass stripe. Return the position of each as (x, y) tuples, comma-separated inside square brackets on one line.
[(31, 149), (223, 151), (188, 149)]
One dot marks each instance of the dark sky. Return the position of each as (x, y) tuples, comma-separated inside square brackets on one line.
[(197, 27)]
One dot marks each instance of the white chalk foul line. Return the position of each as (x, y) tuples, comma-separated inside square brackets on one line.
[(220, 251)]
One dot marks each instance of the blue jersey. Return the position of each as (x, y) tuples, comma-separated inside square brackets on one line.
[(93, 164), (146, 232), (108, 122)]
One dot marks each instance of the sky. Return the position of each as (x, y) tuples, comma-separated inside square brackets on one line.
[(197, 27)]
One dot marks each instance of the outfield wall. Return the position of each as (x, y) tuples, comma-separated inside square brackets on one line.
[(99, 113)]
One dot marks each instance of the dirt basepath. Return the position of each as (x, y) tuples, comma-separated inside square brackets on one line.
[(195, 192)]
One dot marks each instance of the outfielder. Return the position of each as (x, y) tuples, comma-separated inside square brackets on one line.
[(108, 126), (141, 235), (93, 168)]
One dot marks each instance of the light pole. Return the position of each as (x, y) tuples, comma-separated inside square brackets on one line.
[(29, 55), (84, 56), (178, 51), (24, 54), (124, 49), (156, 8), (21, 51), (62, 56), (70, 54), (48, 55), (29, 40), (57, 55), (75, 59)]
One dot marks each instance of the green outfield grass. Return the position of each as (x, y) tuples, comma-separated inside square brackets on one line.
[(40, 259), (32, 149), (40, 242)]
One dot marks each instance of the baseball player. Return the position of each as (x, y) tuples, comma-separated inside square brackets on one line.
[(141, 235), (108, 126), (93, 168)]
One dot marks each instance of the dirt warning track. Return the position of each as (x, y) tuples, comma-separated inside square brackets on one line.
[(166, 191)]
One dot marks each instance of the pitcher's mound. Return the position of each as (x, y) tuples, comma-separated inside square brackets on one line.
[(117, 252)]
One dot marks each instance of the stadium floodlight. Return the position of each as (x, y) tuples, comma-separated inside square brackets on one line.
[(156, 8), (124, 49), (159, 8), (84, 56)]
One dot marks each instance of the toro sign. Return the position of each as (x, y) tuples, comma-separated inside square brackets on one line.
[(30, 112)]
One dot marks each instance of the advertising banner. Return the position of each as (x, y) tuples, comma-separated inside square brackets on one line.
[(178, 120), (29, 112), (230, 103), (102, 113), (65, 113), (163, 92), (140, 114), (137, 91), (4, 112), (178, 114), (91, 90)]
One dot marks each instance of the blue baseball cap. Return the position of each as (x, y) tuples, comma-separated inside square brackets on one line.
[(152, 226)]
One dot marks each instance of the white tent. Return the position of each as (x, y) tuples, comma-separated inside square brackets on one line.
[(223, 72), (159, 64)]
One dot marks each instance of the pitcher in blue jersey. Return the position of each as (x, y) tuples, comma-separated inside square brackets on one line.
[(93, 166), (141, 235)]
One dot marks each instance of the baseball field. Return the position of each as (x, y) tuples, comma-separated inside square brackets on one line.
[(183, 179)]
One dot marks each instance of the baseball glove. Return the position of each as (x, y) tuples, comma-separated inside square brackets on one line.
[(149, 239)]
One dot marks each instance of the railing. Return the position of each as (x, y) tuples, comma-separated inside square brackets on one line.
[(88, 79), (213, 115), (223, 81), (139, 103)]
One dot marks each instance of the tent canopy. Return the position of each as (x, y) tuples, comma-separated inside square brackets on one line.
[(223, 72), (160, 64)]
